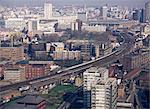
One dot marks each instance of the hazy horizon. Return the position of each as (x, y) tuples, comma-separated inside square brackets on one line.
[(97, 3)]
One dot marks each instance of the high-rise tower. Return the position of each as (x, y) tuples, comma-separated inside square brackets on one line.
[(48, 9), (147, 11)]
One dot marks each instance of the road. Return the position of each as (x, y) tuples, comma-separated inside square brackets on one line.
[(48, 79)]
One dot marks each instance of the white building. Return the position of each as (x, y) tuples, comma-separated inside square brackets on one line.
[(100, 91), (82, 16), (104, 94), (64, 21), (94, 28), (32, 25), (16, 23), (58, 46), (104, 10), (48, 10), (90, 78), (46, 26), (74, 26)]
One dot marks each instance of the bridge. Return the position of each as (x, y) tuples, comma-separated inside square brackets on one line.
[(77, 69)]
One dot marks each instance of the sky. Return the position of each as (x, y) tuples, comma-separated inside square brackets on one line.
[(97, 3)]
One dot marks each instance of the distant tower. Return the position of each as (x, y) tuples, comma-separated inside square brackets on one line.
[(104, 10), (48, 10), (147, 11)]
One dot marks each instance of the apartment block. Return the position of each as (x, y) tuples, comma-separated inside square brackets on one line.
[(100, 91)]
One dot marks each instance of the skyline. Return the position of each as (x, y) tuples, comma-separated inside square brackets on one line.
[(95, 3)]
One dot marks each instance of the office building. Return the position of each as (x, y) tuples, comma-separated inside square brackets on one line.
[(137, 15), (48, 10), (147, 11), (143, 17)]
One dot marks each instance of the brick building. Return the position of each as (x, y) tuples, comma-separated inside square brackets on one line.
[(13, 54), (136, 60)]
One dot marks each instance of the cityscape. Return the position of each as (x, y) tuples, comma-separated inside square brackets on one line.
[(74, 55)]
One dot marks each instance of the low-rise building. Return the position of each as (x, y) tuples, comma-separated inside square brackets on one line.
[(66, 55), (94, 28), (14, 74), (15, 23), (33, 71), (28, 102), (136, 60), (14, 54), (47, 26)]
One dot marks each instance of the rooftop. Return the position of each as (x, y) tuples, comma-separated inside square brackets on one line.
[(31, 99), (20, 106)]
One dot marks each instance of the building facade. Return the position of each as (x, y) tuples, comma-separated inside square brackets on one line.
[(147, 11), (14, 74), (66, 55), (136, 60), (13, 54), (48, 10), (100, 91)]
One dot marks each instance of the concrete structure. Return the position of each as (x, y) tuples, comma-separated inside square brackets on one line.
[(104, 10), (94, 28), (76, 25), (55, 46), (82, 16), (122, 105), (100, 91), (104, 93), (65, 20), (32, 25), (147, 11), (103, 49), (47, 26), (90, 77), (14, 74), (15, 23), (48, 10)]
